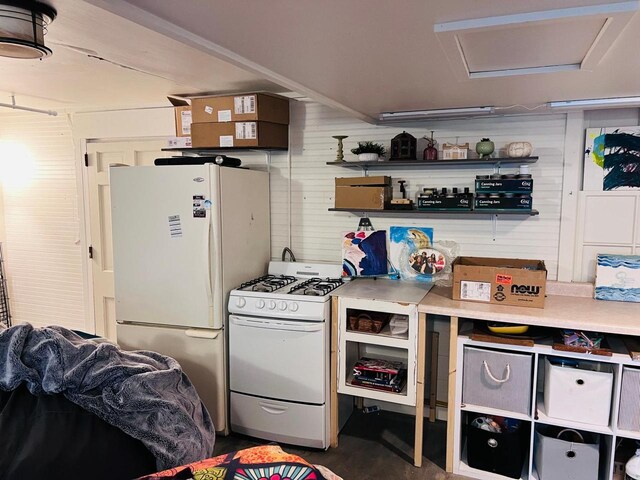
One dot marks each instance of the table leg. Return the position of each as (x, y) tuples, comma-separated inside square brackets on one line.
[(333, 439), (421, 354), (451, 407)]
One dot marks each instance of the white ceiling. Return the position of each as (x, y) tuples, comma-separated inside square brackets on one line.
[(140, 68), (364, 56)]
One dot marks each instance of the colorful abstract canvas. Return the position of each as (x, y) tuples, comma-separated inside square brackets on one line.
[(364, 253), (618, 278), (412, 253), (612, 159)]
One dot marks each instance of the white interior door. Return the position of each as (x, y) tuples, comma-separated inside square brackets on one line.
[(100, 156)]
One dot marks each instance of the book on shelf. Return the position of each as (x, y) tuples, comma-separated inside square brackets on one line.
[(375, 369), (387, 387)]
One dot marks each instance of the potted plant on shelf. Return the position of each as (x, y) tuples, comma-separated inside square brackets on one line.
[(369, 151)]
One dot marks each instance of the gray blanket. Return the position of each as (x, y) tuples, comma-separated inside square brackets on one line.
[(145, 394)]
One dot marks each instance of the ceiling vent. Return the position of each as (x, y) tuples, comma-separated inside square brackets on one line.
[(23, 25), (548, 41)]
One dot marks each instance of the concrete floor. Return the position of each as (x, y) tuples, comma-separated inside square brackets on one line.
[(371, 446)]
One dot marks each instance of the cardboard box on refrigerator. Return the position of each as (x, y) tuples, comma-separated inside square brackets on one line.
[(503, 281), (371, 193), (182, 111), (241, 108), (239, 134)]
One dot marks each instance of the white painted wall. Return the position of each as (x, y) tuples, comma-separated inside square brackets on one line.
[(607, 222), (315, 232)]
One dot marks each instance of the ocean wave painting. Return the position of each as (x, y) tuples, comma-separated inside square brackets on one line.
[(618, 294), (628, 261), (618, 278)]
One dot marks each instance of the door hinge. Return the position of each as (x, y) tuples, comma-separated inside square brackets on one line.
[(90, 251), (86, 159)]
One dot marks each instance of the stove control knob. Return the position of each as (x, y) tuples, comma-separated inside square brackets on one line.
[(240, 302), (282, 306), (294, 307), (272, 305), (260, 304)]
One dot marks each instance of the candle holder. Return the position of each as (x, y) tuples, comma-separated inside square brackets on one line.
[(340, 154)]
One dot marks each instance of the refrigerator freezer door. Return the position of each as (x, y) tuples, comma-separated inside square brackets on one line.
[(278, 359), (163, 239), (200, 353)]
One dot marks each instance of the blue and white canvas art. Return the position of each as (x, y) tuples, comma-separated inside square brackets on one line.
[(412, 253), (618, 278)]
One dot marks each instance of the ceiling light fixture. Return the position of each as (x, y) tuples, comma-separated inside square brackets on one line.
[(23, 24), (438, 113), (597, 103)]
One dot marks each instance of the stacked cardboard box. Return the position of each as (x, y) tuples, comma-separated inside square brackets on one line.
[(248, 120), (370, 193)]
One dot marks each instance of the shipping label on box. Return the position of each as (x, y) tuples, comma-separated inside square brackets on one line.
[(244, 104), (179, 142), (246, 130), (503, 281)]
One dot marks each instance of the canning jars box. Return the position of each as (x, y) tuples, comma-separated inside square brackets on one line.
[(504, 185), (371, 193), (502, 281)]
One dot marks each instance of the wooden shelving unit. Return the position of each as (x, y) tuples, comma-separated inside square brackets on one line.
[(490, 162)]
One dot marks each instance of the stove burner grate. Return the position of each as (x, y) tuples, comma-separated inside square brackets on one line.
[(316, 286)]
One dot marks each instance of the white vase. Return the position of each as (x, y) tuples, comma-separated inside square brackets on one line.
[(368, 157)]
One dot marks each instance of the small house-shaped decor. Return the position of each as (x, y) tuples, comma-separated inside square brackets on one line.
[(454, 152), (403, 147)]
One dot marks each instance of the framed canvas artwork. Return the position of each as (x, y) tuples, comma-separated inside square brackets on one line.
[(612, 159), (412, 253), (364, 253)]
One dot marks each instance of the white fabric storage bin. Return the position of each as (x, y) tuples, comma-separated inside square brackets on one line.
[(629, 416), (579, 394), (558, 459), (496, 379)]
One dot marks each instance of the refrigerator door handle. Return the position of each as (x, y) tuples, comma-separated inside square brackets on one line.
[(201, 333), (275, 325), (207, 253)]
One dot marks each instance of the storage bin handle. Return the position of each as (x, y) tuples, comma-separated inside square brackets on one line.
[(504, 380)]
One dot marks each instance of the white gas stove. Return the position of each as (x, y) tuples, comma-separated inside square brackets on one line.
[(279, 353), (291, 290)]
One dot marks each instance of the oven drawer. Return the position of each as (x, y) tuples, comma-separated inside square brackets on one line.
[(276, 358), (278, 421)]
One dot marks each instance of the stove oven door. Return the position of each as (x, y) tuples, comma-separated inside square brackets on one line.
[(278, 359)]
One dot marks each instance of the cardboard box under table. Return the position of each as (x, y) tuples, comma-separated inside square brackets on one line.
[(502, 281), (241, 108), (369, 193), (239, 134)]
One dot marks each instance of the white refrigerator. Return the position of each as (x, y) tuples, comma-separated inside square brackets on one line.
[(183, 238)]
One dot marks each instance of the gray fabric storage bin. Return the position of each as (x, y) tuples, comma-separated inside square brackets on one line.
[(488, 382), (629, 417), (557, 459)]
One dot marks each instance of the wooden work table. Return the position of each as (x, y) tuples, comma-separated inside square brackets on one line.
[(569, 306)]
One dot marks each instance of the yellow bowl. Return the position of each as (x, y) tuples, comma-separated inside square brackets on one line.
[(509, 329)]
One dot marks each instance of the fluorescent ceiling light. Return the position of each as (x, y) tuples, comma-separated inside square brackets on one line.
[(597, 103), (439, 113)]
